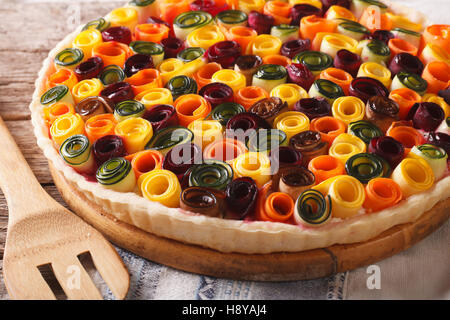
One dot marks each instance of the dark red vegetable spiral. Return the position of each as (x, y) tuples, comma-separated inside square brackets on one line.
[(309, 144), (224, 52), (426, 116), (241, 195), (137, 62), (89, 69), (182, 157), (405, 62), (117, 92), (284, 156), (172, 46), (262, 23), (382, 35), (299, 74), (207, 6), (107, 147), (293, 47), (245, 121), (303, 10), (119, 34), (313, 107), (161, 116), (216, 93), (348, 61), (388, 148), (365, 87)]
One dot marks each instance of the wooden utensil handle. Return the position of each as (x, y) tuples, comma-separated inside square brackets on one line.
[(22, 190)]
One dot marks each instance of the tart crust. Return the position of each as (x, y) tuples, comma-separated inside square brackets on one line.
[(231, 235)]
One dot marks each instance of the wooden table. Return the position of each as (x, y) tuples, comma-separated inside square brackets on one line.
[(29, 29)]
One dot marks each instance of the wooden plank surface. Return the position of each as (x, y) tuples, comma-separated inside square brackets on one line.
[(29, 30)]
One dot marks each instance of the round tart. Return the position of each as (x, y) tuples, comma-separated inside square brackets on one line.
[(262, 128)]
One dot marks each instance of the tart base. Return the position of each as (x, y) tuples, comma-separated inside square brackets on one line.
[(305, 265)]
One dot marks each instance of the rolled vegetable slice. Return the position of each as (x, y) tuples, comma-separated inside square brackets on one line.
[(405, 134), (170, 9), (265, 140), (99, 24), (137, 62), (338, 76), (204, 74), (161, 186), (216, 93), (348, 109), (86, 40), (152, 32), (312, 209), (381, 193), (77, 153), (126, 16), (411, 36), (364, 130), (291, 48), (205, 37), (277, 207), (241, 197), (93, 106), (435, 156), (375, 51), (279, 10), (300, 75), (88, 69), (56, 110), (353, 29), (326, 166), (225, 111), (347, 195), (112, 74), (155, 50), (255, 165), (401, 46), (277, 59), (284, 156), (181, 85), (440, 139), (405, 98), (338, 12), (145, 161), (426, 115), (242, 125), (311, 25), (388, 148), (167, 138), (108, 147), (116, 174), (328, 127), (367, 166), (68, 58), (191, 107), (309, 144), (86, 88), (112, 52), (154, 97), (290, 93), (143, 80), (66, 126), (200, 200), (429, 97), (247, 65), (161, 116), (224, 52), (365, 87), (241, 35), (224, 150), (213, 174), (326, 89), (99, 126), (231, 78), (437, 34), (347, 61), (127, 109), (345, 146), (145, 9), (169, 68), (181, 158), (269, 108), (316, 61), (405, 62), (135, 132), (187, 22), (268, 76), (433, 52), (172, 46), (413, 175), (231, 18), (285, 32), (411, 81), (436, 73), (60, 93), (205, 131), (248, 96), (264, 45), (376, 71), (119, 34), (382, 111), (293, 180), (291, 123), (331, 43), (300, 10), (62, 77), (118, 92)]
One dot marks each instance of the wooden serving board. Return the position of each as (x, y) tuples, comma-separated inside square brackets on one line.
[(304, 265)]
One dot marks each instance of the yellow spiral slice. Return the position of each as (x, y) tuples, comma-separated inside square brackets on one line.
[(348, 109), (376, 71), (66, 126), (205, 37), (161, 186), (291, 123), (290, 93), (135, 132), (127, 17), (86, 40), (255, 165), (346, 145), (205, 131), (331, 43), (152, 97), (235, 80), (413, 175), (86, 88), (264, 45)]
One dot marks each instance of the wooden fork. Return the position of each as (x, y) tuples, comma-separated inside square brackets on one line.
[(43, 232)]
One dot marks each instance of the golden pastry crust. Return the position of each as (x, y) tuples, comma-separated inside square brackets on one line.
[(231, 235)]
